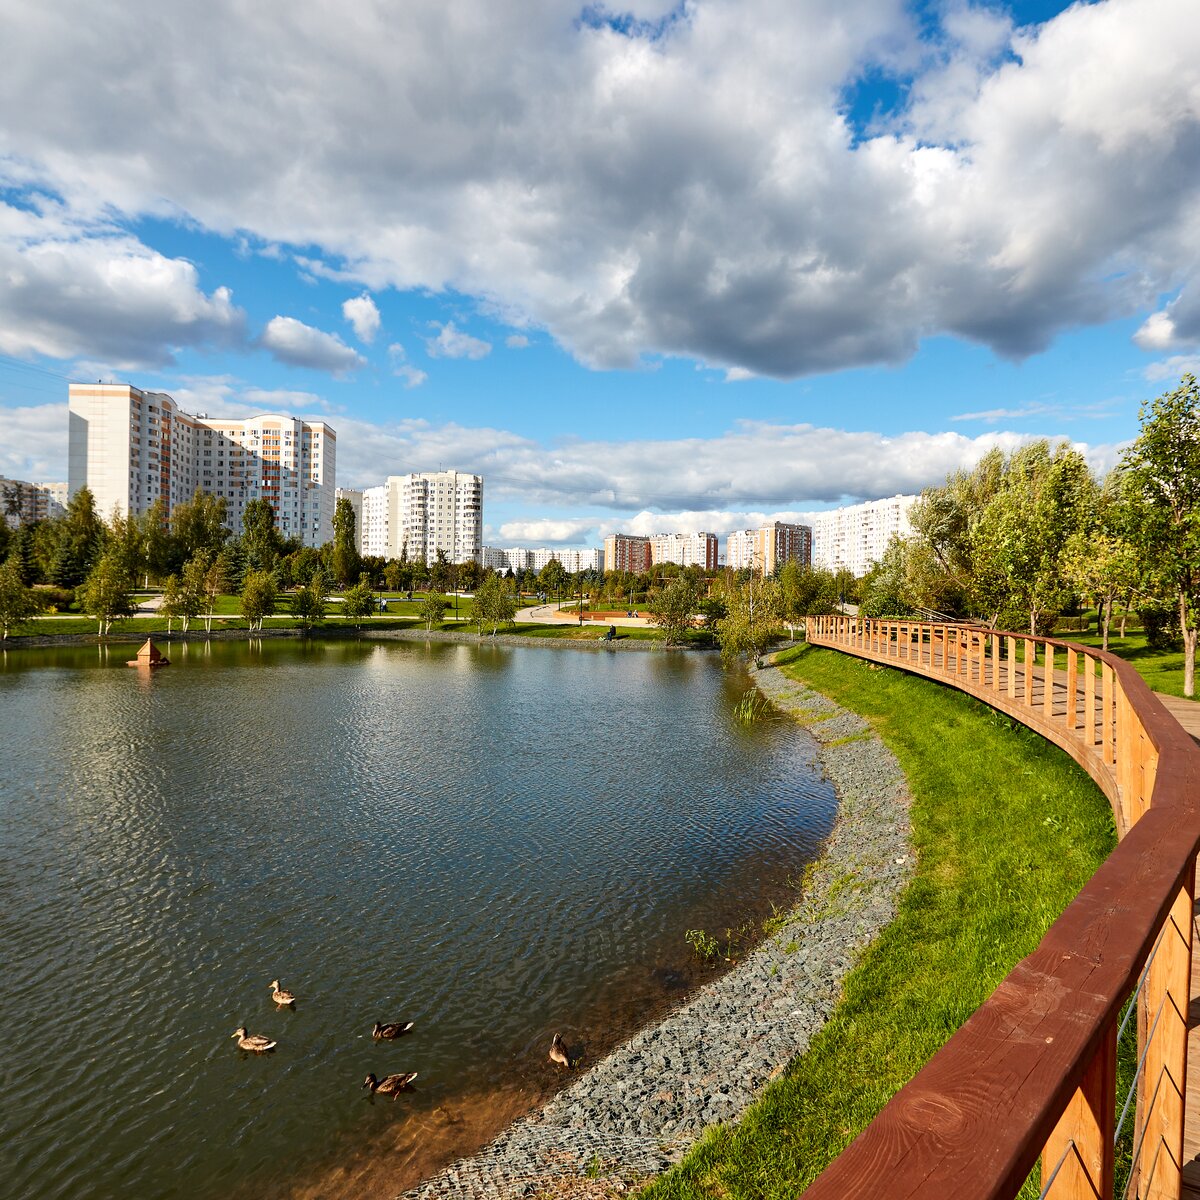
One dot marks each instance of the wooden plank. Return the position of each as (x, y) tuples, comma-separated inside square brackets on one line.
[(1107, 740), (1030, 655), (1048, 684), (1072, 689), (1089, 701), (1080, 1152), (1012, 667)]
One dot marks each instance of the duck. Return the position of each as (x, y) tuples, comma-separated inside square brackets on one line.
[(558, 1051), (392, 1030), (279, 995), (258, 1042), (389, 1085)]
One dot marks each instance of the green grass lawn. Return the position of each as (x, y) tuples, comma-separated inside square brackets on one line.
[(1161, 669), (1007, 830)]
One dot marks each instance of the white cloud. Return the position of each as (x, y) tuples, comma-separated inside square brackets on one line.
[(70, 290), (547, 532), (452, 342), (1173, 368), (516, 341), (363, 314), (412, 376), (298, 345), (738, 375), (34, 446), (685, 186)]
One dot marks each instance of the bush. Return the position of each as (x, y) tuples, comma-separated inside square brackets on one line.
[(54, 599), (1161, 624)]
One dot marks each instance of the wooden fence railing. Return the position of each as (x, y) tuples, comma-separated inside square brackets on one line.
[(1032, 1073)]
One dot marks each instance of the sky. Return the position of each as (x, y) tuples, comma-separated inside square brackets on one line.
[(669, 264)]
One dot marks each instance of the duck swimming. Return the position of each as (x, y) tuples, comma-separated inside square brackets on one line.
[(259, 1043), (389, 1031), (279, 995), (390, 1085)]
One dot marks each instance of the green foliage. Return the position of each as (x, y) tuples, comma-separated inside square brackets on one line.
[(704, 944), (1163, 468), (751, 618), (18, 603), (107, 593), (310, 602), (553, 578), (258, 596), (359, 601), (261, 540), (805, 591), (345, 562), (674, 608), (433, 608), (198, 527), (495, 603)]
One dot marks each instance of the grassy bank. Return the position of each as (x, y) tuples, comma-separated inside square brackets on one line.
[(1007, 830)]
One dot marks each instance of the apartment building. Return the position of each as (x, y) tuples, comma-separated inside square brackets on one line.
[(22, 503), (627, 552), (766, 550), (854, 537), (414, 516), (686, 549), (132, 447), (519, 558)]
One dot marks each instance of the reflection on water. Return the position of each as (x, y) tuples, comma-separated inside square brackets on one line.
[(493, 843)]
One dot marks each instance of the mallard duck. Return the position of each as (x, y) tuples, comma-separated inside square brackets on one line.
[(393, 1030), (279, 995), (558, 1051), (258, 1042), (389, 1085)]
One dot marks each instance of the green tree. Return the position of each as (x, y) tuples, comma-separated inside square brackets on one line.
[(193, 589), (107, 593), (552, 578), (359, 601), (262, 543), (156, 541), (177, 604), (18, 603), (433, 608), (311, 602), (440, 573), (345, 561), (1163, 469), (391, 576), (751, 617), (78, 540), (804, 592), (198, 526), (673, 609), (258, 597), (495, 604)]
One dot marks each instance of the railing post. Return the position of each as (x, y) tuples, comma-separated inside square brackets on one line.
[(1089, 701), (1072, 687), (1048, 683), (1081, 1147), (1107, 742), (1012, 668), (995, 662), (1030, 657), (1162, 1084)]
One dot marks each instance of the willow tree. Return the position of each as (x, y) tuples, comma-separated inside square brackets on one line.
[(1163, 468)]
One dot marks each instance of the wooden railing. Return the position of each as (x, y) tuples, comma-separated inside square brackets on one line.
[(1032, 1073)]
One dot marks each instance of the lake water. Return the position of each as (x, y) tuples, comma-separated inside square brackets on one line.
[(494, 843)]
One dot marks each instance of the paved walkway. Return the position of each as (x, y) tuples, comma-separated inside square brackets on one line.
[(549, 614)]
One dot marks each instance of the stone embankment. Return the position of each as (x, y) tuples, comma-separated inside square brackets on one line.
[(638, 1110)]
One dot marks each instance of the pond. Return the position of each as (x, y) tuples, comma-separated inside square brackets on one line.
[(494, 843)]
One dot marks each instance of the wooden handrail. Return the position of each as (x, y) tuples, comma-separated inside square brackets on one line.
[(1032, 1073)]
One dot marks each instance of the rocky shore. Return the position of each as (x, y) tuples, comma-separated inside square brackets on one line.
[(638, 1110)]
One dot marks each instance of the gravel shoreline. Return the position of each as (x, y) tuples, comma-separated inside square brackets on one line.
[(638, 1110)]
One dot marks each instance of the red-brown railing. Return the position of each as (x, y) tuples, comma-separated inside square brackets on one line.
[(1032, 1073)]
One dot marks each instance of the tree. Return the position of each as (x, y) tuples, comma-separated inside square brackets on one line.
[(439, 575), (804, 592), (262, 543), (345, 562), (495, 604), (156, 540), (433, 608), (1163, 469), (258, 597), (553, 578), (189, 602), (391, 576), (198, 526), (78, 540), (107, 593), (311, 602), (673, 609), (752, 610), (359, 601), (18, 603)]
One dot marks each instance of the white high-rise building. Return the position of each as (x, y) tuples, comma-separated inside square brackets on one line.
[(518, 558), (686, 549), (132, 447), (766, 550), (855, 537), (417, 515)]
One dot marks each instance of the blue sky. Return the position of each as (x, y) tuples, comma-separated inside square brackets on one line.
[(645, 267)]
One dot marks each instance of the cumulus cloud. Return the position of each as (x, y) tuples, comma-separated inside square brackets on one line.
[(298, 345), (516, 341), (1173, 368), (548, 532), (412, 376), (363, 314), (34, 446), (452, 342), (684, 182), (77, 290)]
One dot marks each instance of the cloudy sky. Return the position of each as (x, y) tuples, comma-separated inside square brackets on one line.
[(644, 265)]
